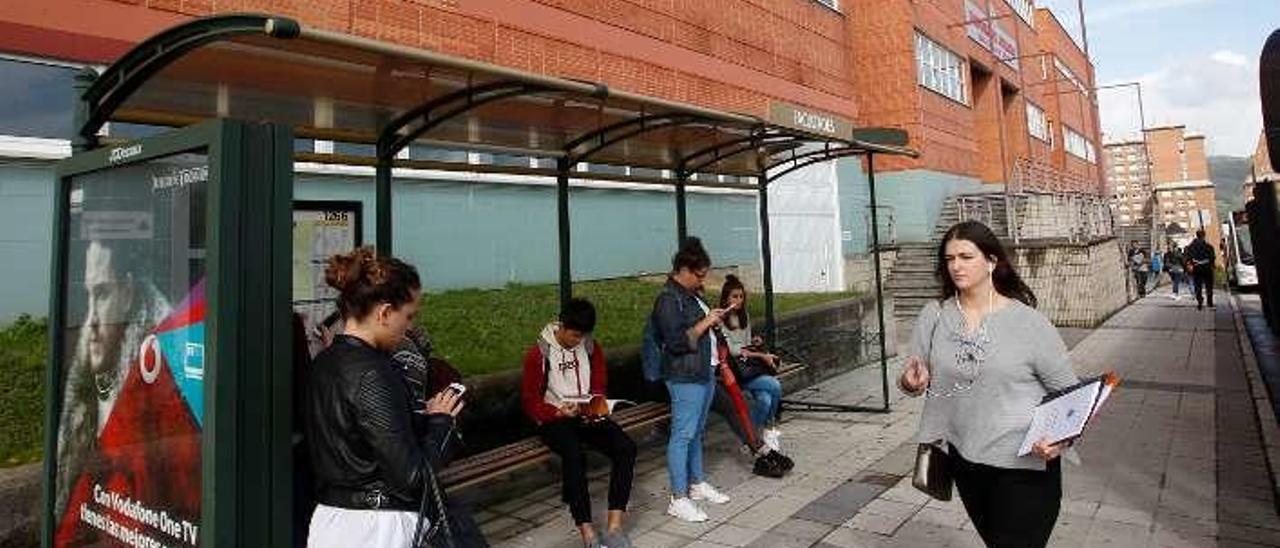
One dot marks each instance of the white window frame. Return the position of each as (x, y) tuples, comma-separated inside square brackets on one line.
[(1025, 9), (1038, 123), (1076, 144), (941, 70), (1064, 70)]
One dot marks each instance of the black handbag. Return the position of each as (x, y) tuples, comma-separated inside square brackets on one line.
[(747, 369), (932, 473)]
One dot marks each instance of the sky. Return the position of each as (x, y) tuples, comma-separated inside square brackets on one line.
[(1197, 61)]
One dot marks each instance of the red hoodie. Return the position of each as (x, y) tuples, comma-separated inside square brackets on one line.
[(533, 383)]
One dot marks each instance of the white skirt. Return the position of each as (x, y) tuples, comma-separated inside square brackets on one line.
[(333, 527)]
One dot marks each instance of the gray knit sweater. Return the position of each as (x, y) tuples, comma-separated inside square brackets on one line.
[(1025, 359)]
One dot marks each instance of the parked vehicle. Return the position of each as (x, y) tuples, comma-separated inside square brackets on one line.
[(1237, 251)]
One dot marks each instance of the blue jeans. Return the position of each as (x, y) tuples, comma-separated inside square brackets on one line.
[(689, 404), (766, 393)]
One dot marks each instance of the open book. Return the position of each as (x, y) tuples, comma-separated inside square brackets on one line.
[(1063, 415)]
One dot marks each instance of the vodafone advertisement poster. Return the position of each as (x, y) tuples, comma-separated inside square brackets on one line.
[(129, 433)]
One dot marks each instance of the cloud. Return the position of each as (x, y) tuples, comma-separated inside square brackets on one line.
[(1228, 57), (1215, 94)]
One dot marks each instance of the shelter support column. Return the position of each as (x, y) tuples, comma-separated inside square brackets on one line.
[(682, 209), (563, 165), (383, 203), (766, 261), (875, 259)]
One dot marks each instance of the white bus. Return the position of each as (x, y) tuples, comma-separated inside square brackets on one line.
[(1237, 248)]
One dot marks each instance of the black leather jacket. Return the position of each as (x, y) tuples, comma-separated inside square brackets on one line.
[(360, 432)]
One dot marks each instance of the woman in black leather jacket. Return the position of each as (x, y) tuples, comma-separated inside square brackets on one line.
[(371, 467)]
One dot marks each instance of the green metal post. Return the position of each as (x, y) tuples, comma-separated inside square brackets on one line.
[(875, 257), (382, 183), (562, 209), (83, 81), (682, 210), (766, 256)]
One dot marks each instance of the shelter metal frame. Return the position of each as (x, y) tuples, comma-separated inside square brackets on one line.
[(108, 97)]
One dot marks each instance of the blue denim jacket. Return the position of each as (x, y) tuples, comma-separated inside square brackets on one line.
[(675, 312)]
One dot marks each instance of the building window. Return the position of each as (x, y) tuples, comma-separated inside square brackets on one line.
[(833, 4), (1025, 9), (940, 69), (1068, 74), (37, 100), (1037, 124), (1078, 146)]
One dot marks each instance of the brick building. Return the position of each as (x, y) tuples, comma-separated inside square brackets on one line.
[(1130, 181), (990, 100), (1261, 169), (993, 92)]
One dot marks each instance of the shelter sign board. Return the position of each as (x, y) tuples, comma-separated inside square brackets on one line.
[(128, 463), (809, 120)]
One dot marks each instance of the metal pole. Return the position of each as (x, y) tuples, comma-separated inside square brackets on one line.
[(382, 183), (562, 208), (766, 257), (1151, 180), (875, 257), (682, 210), (1084, 32)]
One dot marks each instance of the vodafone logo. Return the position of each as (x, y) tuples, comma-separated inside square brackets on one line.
[(149, 359)]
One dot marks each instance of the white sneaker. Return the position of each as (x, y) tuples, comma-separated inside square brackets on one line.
[(684, 509), (772, 438), (704, 491)]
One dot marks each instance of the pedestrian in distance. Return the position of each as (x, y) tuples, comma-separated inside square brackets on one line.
[(1157, 267), (1173, 264), (1201, 256), (563, 391), (684, 325), (984, 358), (1138, 265)]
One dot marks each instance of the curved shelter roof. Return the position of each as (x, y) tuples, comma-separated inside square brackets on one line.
[(339, 87)]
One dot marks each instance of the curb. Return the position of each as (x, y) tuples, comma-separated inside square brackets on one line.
[(1262, 408)]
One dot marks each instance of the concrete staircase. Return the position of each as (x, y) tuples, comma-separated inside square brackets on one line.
[(912, 282)]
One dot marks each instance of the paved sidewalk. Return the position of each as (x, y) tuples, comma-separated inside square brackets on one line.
[(1176, 459)]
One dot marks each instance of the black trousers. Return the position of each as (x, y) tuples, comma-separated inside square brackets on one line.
[(569, 439), (1203, 280), (1010, 508), (1140, 280)]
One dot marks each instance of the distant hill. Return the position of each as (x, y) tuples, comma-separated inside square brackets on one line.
[(1228, 174)]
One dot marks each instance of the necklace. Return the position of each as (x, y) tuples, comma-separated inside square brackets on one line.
[(104, 383), (971, 350)]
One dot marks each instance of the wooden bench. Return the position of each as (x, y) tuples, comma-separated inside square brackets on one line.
[(530, 451)]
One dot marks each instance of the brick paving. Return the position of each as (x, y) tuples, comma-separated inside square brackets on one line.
[(1175, 460)]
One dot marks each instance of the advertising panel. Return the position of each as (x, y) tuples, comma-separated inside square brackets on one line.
[(128, 462)]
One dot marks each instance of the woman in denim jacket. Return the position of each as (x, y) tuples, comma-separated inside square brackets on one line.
[(685, 324)]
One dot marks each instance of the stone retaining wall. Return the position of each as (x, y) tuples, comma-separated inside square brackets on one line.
[(1078, 285)]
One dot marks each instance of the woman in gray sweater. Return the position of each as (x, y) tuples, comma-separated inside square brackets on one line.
[(984, 358)]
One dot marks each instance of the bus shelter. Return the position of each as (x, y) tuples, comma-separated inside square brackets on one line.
[(170, 410)]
